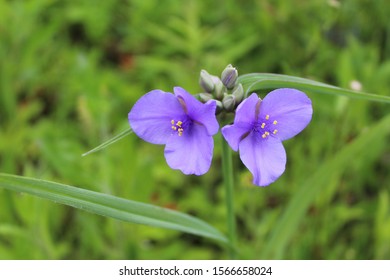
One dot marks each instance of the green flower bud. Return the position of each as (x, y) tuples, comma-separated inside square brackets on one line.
[(238, 93), (219, 107), (204, 97), (219, 89), (229, 103), (229, 76), (206, 81)]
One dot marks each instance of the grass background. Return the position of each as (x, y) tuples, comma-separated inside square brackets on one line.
[(70, 71)]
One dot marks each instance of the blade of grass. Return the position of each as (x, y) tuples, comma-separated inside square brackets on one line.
[(258, 81), (288, 224), (109, 142), (111, 206)]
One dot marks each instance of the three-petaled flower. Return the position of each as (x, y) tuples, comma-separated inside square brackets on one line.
[(182, 123), (260, 126)]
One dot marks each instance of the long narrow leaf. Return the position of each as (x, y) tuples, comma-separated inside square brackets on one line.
[(258, 81), (109, 142), (111, 206), (288, 224)]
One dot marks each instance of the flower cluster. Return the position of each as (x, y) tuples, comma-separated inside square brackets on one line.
[(225, 90), (186, 125)]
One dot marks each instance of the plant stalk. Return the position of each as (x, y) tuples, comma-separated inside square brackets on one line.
[(227, 169)]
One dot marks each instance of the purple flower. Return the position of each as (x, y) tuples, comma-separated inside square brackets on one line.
[(182, 123), (260, 126)]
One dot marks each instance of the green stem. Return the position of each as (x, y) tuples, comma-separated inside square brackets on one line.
[(227, 169)]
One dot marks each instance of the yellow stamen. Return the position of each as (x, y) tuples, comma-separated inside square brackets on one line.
[(267, 117), (262, 125), (180, 130), (275, 131), (275, 122), (264, 135), (176, 126)]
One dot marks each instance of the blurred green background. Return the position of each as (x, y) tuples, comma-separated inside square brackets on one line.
[(70, 71)]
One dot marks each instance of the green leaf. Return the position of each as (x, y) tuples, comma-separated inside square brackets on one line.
[(110, 141), (288, 224), (111, 206), (258, 81)]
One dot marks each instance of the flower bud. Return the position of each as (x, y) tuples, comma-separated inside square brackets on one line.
[(204, 97), (219, 89), (238, 93), (229, 102), (206, 81), (219, 107), (229, 76)]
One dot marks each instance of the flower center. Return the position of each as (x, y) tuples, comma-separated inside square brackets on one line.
[(266, 127), (179, 126)]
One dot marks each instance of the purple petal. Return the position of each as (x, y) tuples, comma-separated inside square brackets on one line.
[(291, 109), (150, 118), (199, 112), (243, 122), (192, 152), (234, 133), (265, 159), (246, 111)]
